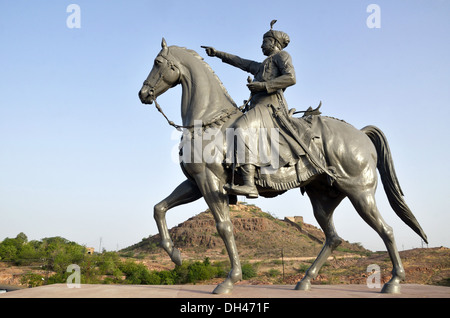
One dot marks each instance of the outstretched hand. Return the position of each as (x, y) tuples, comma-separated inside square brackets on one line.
[(209, 50)]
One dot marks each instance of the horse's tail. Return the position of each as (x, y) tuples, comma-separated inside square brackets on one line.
[(389, 179)]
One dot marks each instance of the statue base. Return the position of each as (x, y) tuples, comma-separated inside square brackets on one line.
[(240, 291)]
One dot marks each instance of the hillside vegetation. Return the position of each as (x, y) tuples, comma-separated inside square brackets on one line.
[(272, 251)]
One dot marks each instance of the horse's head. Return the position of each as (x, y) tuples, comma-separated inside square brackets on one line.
[(164, 75)]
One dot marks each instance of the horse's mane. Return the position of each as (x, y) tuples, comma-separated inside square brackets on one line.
[(205, 64)]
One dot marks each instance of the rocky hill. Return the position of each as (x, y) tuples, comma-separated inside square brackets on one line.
[(258, 235)]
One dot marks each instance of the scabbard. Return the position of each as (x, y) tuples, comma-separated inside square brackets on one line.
[(287, 126)]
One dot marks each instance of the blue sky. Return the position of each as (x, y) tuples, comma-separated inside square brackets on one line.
[(82, 158)]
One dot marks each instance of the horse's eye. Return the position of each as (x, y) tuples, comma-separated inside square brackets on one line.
[(158, 62)]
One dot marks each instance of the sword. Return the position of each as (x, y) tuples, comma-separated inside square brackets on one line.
[(287, 125)]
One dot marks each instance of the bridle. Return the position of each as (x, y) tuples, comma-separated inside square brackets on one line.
[(172, 65)]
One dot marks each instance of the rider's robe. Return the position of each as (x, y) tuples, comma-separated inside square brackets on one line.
[(255, 129)]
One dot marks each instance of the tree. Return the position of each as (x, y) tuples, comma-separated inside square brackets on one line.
[(8, 252), (21, 239)]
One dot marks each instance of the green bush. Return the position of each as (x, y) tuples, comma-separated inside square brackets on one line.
[(249, 271), (198, 271), (8, 252), (163, 278), (192, 272), (136, 273), (32, 280)]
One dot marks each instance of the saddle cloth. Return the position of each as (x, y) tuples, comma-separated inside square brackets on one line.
[(297, 173)]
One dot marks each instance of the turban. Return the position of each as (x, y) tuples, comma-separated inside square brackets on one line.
[(281, 37)]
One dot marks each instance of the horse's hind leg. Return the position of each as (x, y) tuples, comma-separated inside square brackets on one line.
[(186, 192), (364, 203), (324, 203)]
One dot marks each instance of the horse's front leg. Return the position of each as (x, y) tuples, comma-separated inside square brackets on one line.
[(217, 200), (186, 192)]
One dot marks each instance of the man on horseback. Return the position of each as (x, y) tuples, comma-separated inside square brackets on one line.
[(271, 78)]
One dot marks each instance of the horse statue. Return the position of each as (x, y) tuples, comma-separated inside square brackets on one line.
[(354, 155)]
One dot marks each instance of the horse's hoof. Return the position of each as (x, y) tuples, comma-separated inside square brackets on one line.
[(176, 256), (303, 285), (223, 288), (391, 288)]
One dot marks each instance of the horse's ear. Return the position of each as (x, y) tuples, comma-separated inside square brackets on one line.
[(163, 43)]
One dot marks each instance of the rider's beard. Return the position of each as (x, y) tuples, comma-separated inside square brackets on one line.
[(268, 50)]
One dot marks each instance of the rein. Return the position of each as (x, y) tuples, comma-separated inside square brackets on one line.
[(178, 127)]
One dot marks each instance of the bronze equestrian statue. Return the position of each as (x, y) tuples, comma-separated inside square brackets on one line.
[(271, 78), (324, 157)]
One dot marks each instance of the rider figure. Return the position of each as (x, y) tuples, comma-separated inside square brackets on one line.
[(271, 78)]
